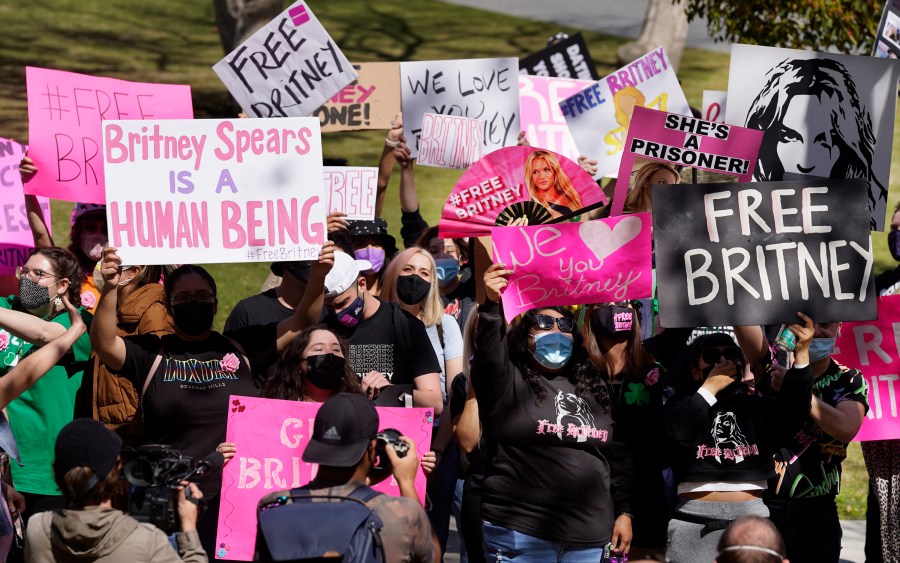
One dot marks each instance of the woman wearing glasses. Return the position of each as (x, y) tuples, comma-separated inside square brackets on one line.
[(558, 486), (28, 321), (723, 431)]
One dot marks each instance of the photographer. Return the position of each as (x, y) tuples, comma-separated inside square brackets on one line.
[(344, 445), (87, 470)]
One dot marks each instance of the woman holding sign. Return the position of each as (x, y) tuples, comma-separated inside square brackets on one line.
[(558, 487), (549, 185)]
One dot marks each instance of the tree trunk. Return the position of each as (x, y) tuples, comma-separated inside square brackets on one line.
[(237, 20), (665, 24)]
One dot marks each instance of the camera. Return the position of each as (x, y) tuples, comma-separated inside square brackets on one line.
[(389, 437), (156, 471)]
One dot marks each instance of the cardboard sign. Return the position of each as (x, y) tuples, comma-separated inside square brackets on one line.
[(599, 115), (685, 141), (714, 105), (288, 68), (352, 190), (872, 347), (756, 253), (515, 184), (64, 131), (270, 436), (824, 115), (448, 141), (485, 89), (16, 240), (369, 102), (207, 191), (575, 263), (567, 59), (541, 118), (887, 40)]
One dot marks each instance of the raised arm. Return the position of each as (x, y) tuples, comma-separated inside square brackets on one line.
[(30, 328), (386, 163), (105, 342), (409, 197), (309, 310), (753, 343)]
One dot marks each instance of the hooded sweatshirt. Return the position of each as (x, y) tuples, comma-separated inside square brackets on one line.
[(103, 535)]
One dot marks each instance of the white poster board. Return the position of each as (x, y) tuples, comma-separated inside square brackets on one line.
[(449, 141), (714, 105), (352, 190)]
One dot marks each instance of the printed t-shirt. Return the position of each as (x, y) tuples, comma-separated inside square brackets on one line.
[(38, 414)]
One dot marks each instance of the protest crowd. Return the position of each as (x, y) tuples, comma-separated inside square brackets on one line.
[(654, 340)]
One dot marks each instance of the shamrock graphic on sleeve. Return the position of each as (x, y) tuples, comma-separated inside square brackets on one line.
[(637, 394)]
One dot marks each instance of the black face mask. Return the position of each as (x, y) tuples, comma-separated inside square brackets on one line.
[(894, 244), (612, 321), (194, 318), (412, 289), (326, 371)]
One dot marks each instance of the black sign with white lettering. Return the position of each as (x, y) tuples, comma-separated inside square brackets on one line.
[(567, 59), (757, 253)]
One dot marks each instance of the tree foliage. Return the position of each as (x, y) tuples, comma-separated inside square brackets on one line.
[(846, 25)]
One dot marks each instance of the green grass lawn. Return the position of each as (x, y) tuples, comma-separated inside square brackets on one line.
[(176, 42)]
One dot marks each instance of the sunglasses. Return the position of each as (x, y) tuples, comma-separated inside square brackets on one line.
[(545, 322), (729, 353)]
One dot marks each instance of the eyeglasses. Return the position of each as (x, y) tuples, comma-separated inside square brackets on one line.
[(202, 297), (729, 353), (34, 275), (545, 322)]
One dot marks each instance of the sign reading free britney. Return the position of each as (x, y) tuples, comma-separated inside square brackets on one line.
[(207, 191)]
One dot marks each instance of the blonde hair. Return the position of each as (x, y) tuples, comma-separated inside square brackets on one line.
[(640, 196), (561, 181), (432, 308), (623, 118)]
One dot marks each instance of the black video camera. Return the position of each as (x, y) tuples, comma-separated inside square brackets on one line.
[(389, 437), (156, 471)]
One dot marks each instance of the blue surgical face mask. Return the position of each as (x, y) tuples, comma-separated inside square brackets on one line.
[(447, 270), (552, 349), (820, 348)]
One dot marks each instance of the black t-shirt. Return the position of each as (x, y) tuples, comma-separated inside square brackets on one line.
[(186, 403), (377, 344), (257, 310), (888, 283)]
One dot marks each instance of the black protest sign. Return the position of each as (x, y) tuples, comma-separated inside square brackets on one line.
[(567, 59), (757, 253)]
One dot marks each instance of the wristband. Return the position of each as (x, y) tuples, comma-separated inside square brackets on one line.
[(390, 143)]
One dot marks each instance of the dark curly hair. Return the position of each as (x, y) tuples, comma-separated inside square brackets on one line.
[(286, 382), (66, 266), (588, 381)]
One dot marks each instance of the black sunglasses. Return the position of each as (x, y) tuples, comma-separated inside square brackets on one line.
[(730, 353), (545, 322)]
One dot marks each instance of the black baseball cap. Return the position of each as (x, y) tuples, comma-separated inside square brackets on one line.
[(378, 227), (87, 443), (345, 426)]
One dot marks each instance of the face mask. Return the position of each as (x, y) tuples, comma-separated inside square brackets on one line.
[(352, 314), (447, 270), (894, 244), (33, 296), (92, 245), (299, 270), (326, 371), (374, 255), (552, 349), (820, 348), (194, 318), (412, 289), (612, 320)]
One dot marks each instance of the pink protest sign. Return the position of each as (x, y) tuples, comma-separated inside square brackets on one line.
[(16, 240), (872, 347), (685, 141), (540, 116), (575, 263), (516, 184), (65, 110), (270, 436)]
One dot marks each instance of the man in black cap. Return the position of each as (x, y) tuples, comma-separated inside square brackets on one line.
[(343, 444), (87, 470)]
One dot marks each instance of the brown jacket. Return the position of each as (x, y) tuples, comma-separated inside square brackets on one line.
[(114, 399)]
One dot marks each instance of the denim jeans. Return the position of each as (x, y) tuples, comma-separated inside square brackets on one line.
[(501, 544)]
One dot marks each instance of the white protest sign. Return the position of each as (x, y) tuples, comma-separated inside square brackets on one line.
[(288, 68), (486, 89), (207, 191), (449, 141), (714, 105), (599, 115), (352, 190)]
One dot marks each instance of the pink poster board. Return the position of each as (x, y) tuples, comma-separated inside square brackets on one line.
[(270, 436), (541, 118), (686, 141), (16, 240), (575, 263), (872, 347), (65, 110), (495, 191)]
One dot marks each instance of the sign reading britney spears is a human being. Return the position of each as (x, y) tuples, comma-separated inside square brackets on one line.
[(206, 191)]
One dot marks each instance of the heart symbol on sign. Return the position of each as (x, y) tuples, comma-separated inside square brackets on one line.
[(603, 241)]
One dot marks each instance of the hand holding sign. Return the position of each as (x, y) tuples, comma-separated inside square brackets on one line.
[(496, 278)]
